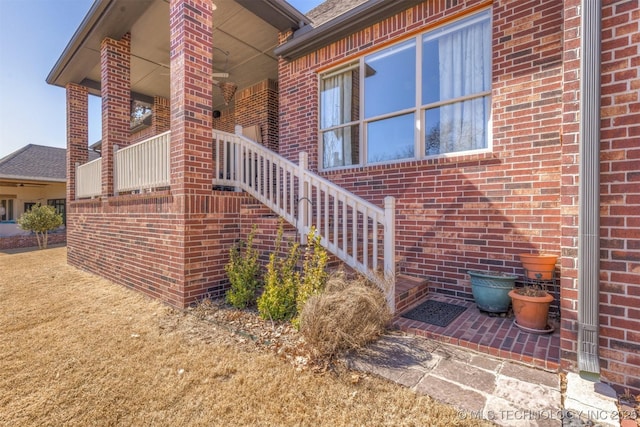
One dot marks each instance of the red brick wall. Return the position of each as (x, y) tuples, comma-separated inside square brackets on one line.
[(161, 118), (258, 105), (140, 241), (466, 212), (255, 105), (620, 195), (226, 122), (30, 241)]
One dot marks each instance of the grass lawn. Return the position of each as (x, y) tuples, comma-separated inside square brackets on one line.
[(78, 350)]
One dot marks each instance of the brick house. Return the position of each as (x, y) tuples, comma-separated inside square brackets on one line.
[(422, 138)]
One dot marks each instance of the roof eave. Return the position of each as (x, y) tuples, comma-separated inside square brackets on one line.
[(86, 26), (278, 13), (348, 23)]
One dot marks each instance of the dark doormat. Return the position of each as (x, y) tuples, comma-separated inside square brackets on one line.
[(435, 312)]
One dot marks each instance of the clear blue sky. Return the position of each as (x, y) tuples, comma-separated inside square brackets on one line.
[(34, 33)]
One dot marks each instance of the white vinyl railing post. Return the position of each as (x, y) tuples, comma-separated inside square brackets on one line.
[(303, 197), (390, 249), (239, 172), (115, 169), (77, 181)]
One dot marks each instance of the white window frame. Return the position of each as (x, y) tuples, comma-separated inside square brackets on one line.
[(418, 110)]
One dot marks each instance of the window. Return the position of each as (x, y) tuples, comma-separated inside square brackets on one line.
[(456, 86), (390, 100), (29, 205), (60, 205), (6, 210), (426, 96), (339, 100)]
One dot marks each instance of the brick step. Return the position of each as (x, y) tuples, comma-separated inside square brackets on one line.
[(410, 291)]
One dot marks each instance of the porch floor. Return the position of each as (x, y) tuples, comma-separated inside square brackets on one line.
[(497, 336)]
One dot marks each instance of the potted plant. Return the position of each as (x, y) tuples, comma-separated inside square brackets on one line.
[(531, 302), (538, 267), (531, 308), (491, 290)]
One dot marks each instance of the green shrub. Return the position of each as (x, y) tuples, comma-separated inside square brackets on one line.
[(281, 281), (314, 274), (243, 271), (40, 219)]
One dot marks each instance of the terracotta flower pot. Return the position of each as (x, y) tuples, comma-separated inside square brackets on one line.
[(531, 311), (539, 267)]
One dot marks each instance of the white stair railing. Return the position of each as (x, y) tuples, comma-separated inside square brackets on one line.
[(360, 233), (143, 166), (89, 179)]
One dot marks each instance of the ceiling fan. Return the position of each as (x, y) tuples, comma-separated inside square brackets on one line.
[(228, 88)]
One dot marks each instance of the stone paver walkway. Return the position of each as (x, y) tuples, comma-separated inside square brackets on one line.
[(479, 385)]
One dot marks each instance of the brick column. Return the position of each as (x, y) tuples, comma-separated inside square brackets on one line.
[(191, 104), (569, 188), (160, 120), (115, 65), (77, 133)]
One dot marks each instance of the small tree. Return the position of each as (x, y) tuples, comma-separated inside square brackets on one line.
[(40, 219)]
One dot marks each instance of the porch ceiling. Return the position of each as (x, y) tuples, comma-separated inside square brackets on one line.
[(248, 39)]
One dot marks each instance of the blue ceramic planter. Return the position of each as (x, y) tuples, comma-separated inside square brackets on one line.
[(491, 290)]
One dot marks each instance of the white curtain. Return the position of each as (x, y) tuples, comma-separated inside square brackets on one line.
[(336, 110), (465, 69)]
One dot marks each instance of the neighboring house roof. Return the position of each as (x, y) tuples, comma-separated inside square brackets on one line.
[(37, 162), (330, 9), (336, 19)]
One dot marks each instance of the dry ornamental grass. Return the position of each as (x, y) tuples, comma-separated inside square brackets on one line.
[(78, 350)]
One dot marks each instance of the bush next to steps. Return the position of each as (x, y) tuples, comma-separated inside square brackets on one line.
[(243, 271), (347, 315)]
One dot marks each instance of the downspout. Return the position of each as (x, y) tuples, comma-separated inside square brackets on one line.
[(589, 188)]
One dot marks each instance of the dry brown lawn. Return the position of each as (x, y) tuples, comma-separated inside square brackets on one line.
[(76, 349)]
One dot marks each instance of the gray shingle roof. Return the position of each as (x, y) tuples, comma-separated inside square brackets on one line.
[(37, 162), (330, 9)]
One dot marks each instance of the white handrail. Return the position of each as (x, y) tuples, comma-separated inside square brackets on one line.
[(89, 179), (357, 231), (143, 166)]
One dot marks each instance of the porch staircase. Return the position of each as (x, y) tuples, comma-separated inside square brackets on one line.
[(358, 233)]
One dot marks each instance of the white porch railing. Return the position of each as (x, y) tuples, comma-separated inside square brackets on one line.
[(143, 166), (89, 179), (358, 232)]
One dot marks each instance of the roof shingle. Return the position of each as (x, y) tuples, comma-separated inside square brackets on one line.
[(37, 161)]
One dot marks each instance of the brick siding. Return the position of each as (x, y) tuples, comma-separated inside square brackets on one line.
[(620, 195)]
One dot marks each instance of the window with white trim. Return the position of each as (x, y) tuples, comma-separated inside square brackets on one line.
[(426, 96)]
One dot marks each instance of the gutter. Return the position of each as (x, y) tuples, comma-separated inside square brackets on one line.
[(308, 40), (589, 188), (278, 13), (33, 178)]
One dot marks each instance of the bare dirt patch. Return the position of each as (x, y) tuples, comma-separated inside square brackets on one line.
[(78, 350)]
